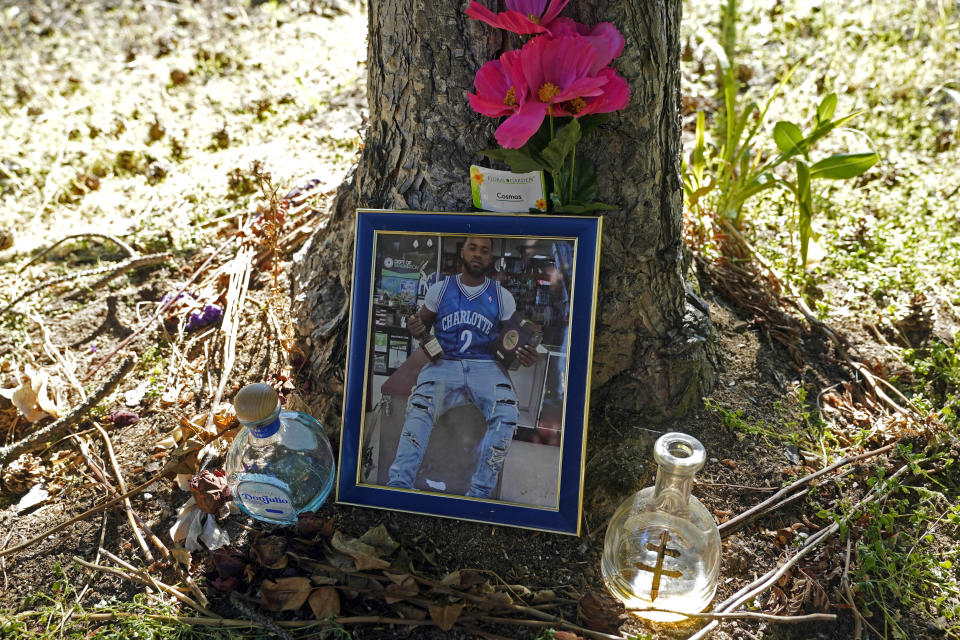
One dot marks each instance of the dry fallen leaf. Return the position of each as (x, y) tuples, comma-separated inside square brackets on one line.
[(284, 594), (401, 588), (546, 595), (32, 397), (601, 612), (181, 555), (270, 552), (378, 538), (324, 602), (445, 617), (364, 555), (409, 611)]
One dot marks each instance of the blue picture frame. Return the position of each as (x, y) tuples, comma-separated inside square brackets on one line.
[(551, 263)]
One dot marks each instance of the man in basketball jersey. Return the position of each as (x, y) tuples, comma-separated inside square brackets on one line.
[(466, 311)]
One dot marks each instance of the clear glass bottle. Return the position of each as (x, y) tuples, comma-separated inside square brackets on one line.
[(281, 463), (662, 546)]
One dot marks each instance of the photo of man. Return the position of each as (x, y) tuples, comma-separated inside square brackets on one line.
[(474, 406), (466, 312)]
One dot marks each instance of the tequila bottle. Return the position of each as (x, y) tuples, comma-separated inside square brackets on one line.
[(662, 546), (280, 464)]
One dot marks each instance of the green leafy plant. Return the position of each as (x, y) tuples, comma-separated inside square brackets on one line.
[(720, 178), (938, 368), (573, 181), (899, 560)]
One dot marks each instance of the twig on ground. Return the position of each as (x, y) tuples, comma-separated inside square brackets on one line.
[(59, 428), (127, 249), (258, 617), (54, 354), (162, 307), (232, 623), (486, 635), (559, 623), (3, 561), (112, 271), (83, 516), (734, 486), (233, 310), (122, 486), (131, 573), (748, 615), (176, 593), (776, 499), (848, 593), (770, 578), (466, 595)]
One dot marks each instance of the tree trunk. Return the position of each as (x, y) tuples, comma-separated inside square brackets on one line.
[(652, 354)]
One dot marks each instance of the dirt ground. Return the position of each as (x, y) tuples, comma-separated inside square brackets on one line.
[(84, 87)]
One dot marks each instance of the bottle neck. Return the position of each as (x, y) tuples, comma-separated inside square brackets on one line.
[(671, 492), (265, 428)]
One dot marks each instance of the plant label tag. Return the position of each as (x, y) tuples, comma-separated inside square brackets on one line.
[(507, 192)]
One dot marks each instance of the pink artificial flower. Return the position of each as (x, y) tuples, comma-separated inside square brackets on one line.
[(556, 70), (605, 38), (615, 96), (498, 94), (521, 16)]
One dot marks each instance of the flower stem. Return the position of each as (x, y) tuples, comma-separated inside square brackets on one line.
[(573, 160)]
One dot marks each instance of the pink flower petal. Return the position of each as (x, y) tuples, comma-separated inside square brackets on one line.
[(555, 7), (615, 96), (544, 13), (567, 59), (528, 7), (607, 41), (508, 20), (489, 107), (582, 88), (513, 70), (568, 27), (517, 129), (491, 80)]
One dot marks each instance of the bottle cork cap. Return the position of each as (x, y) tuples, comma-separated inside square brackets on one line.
[(255, 402)]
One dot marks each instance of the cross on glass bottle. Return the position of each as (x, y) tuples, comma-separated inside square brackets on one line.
[(658, 571)]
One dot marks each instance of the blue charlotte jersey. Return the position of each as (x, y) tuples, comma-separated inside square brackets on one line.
[(468, 326)]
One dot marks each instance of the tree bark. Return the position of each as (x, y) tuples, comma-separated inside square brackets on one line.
[(652, 355)]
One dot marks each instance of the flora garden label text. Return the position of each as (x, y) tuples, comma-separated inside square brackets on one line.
[(507, 192)]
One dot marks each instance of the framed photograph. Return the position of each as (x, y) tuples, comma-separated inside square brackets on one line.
[(468, 370)]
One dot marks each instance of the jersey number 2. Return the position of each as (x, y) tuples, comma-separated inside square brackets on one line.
[(466, 336)]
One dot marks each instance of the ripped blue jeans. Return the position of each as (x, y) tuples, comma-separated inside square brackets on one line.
[(442, 385)]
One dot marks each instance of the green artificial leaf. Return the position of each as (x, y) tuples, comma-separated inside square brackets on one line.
[(538, 141), (519, 160), (555, 201), (827, 106), (576, 207), (841, 166), (590, 122), (788, 137), (562, 144), (584, 181)]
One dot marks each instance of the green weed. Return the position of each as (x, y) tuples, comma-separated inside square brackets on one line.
[(938, 368), (901, 564), (722, 176)]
